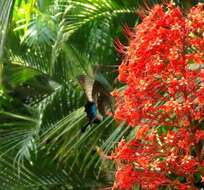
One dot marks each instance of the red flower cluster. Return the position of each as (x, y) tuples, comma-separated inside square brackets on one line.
[(164, 100)]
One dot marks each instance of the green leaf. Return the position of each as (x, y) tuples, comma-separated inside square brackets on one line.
[(197, 177)]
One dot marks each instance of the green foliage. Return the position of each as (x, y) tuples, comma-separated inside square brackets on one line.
[(44, 46)]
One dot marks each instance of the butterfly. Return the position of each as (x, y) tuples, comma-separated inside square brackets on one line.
[(98, 97)]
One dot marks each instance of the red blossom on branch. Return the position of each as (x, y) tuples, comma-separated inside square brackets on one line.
[(164, 98)]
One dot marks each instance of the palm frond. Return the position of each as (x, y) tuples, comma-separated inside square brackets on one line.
[(6, 7), (67, 141), (18, 130), (85, 12), (32, 175)]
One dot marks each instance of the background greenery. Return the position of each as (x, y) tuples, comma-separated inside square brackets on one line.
[(44, 46)]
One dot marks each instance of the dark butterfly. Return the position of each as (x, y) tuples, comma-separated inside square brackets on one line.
[(98, 97)]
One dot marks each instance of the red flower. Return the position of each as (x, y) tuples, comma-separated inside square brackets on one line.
[(182, 186), (199, 135), (164, 98)]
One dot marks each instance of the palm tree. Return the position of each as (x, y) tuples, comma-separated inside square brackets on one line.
[(44, 46)]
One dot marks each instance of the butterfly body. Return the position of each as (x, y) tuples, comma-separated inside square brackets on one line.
[(97, 99), (91, 110)]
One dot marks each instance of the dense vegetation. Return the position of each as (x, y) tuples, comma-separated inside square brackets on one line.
[(44, 46)]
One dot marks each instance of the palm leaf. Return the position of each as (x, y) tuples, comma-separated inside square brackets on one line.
[(6, 8), (32, 175), (84, 12)]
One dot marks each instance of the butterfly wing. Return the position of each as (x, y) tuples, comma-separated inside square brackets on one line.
[(102, 97), (87, 84), (98, 94)]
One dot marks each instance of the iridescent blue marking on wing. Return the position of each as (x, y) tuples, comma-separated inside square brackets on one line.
[(91, 110)]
